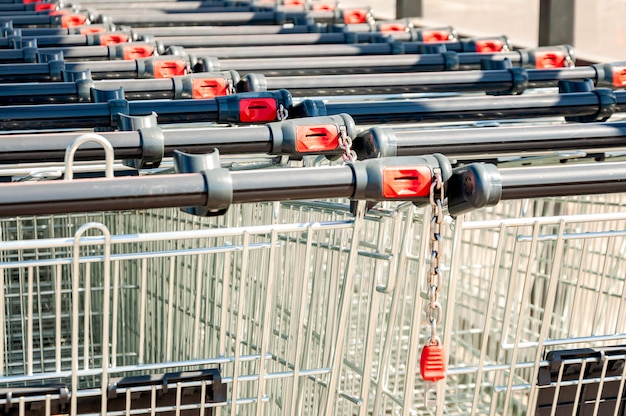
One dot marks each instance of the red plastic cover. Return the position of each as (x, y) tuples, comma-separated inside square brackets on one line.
[(406, 182), (619, 76), (169, 68), (45, 7), (549, 59), (113, 39), (73, 20), (257, 110), (88, 30), (209, 87), (323, 7), (322, 138), (433, 362), (137, 51), (435, 35), (354, 16), (392, 27), (486, 46)]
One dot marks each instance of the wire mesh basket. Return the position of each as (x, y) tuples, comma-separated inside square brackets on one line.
[(305, 309)]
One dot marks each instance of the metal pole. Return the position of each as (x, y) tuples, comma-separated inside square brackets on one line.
[(550, 181), (556, 22), (408, 8), (463, 108)]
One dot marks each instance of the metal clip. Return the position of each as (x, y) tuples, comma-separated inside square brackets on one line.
[(218, 182)]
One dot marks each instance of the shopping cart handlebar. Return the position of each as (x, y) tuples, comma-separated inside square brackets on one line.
[(207, 189), (596, 105), (256, 107), (210, 190), (478, 185), (564, 180), (471, 145), (294, 138)]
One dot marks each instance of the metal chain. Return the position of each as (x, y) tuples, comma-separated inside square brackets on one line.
[(345, 143), (230, 89), (282, 113), (435, 310)]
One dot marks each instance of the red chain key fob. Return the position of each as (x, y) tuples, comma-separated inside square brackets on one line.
[(433, 362), (433, 370)]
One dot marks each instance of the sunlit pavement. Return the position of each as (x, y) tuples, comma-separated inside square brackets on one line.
[(600, 31)]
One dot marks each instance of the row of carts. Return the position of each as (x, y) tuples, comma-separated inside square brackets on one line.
[(242, 207)]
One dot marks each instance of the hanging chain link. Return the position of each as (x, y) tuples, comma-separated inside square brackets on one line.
[(435, 311), (433, 356), (230, 89), (282, 113), (345, 143)]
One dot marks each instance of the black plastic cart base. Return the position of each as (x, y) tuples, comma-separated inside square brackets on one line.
[(168, 385)]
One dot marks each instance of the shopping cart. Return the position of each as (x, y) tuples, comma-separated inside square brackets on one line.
[(113, 302), (258, 294), (183, 307), (535, 311), (305, 308)]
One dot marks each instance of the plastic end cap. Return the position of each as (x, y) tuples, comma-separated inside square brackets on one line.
[(310, 108), (472, 187), (253, 83), (375, 143)]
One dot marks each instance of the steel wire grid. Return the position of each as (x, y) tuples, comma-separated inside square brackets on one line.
[(262, 302), (527, 278), (308, 311)]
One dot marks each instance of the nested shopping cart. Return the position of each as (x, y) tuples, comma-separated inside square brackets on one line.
[(316, 307), (257, 294), (535, 311), (252, 301)]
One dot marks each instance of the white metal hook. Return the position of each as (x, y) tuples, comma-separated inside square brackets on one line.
[(78, 235), (71, 149)]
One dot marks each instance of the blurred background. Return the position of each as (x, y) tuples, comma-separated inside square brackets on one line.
[(599, 26)]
